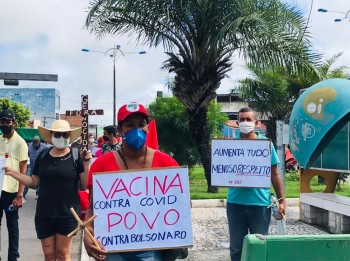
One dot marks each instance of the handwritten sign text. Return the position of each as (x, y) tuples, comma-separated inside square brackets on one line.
[(241, 163), (142, 209)]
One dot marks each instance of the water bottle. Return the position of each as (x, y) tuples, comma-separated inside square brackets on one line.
[(276, 213), (11, 208)]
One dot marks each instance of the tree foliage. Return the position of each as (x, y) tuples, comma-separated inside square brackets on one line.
[(200, 38), (216, 120), (272, 91), (174, 135), (22, 113)]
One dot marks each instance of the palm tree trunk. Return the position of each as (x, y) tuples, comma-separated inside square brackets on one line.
[(271, 129), (199, 128)]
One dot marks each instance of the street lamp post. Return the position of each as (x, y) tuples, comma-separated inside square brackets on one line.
[(113, 53), (347, 14)]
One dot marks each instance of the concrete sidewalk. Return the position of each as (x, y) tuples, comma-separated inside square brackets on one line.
[(210, 229), (29, 245)]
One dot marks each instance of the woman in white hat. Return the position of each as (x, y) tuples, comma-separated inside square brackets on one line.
[(57, 173)]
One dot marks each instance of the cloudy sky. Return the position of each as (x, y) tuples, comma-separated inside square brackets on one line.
[(47, 37)]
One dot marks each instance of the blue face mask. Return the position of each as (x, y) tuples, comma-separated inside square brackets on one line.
[(135, 138)]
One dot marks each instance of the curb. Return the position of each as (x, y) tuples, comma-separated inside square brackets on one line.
[(292, 202), (208, 203), (219, 203)]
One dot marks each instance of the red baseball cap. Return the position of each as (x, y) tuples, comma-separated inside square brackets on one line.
[(130, 108)]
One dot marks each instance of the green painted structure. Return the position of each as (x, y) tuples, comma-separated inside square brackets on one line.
[(296, 248), (28, 134)]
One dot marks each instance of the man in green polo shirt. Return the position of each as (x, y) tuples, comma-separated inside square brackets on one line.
[(247, 207), (15, 150)]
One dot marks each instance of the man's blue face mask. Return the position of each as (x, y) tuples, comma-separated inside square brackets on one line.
[(135, 138)]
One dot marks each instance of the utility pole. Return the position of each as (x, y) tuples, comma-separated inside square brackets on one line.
[(47, 117), (113, 53)]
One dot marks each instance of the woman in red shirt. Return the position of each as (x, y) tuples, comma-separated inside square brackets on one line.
[(134, 154)]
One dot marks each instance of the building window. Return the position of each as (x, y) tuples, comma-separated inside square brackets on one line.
[(232, 115), (57, 102)]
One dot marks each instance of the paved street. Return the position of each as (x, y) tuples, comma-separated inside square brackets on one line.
[(29, 245), (211, 240)]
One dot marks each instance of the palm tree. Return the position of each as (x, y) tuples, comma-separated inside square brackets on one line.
[(272, 91), (200, 37)]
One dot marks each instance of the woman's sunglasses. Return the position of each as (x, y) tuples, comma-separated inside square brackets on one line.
[(58, 135)]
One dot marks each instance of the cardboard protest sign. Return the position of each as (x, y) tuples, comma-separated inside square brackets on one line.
[(137, 210), (241, 163)]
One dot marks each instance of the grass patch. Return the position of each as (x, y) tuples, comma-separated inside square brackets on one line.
[(198, 186)]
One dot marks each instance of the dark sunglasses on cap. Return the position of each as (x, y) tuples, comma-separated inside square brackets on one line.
[(58, 135)]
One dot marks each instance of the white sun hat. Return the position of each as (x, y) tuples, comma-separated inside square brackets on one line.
[(59, 126)]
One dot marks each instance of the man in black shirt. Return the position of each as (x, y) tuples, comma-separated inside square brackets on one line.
[(110, 134), (77, 143)]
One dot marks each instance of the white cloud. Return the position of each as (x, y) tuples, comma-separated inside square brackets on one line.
[(331, 37), (47, 36)]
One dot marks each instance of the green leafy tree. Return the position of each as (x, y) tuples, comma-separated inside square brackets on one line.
[(174, 136), (22, 113), (272, 91), (216, 120), (200, 38)]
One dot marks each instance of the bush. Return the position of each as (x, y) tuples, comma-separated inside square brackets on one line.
[(292, 175), (342, 178)]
